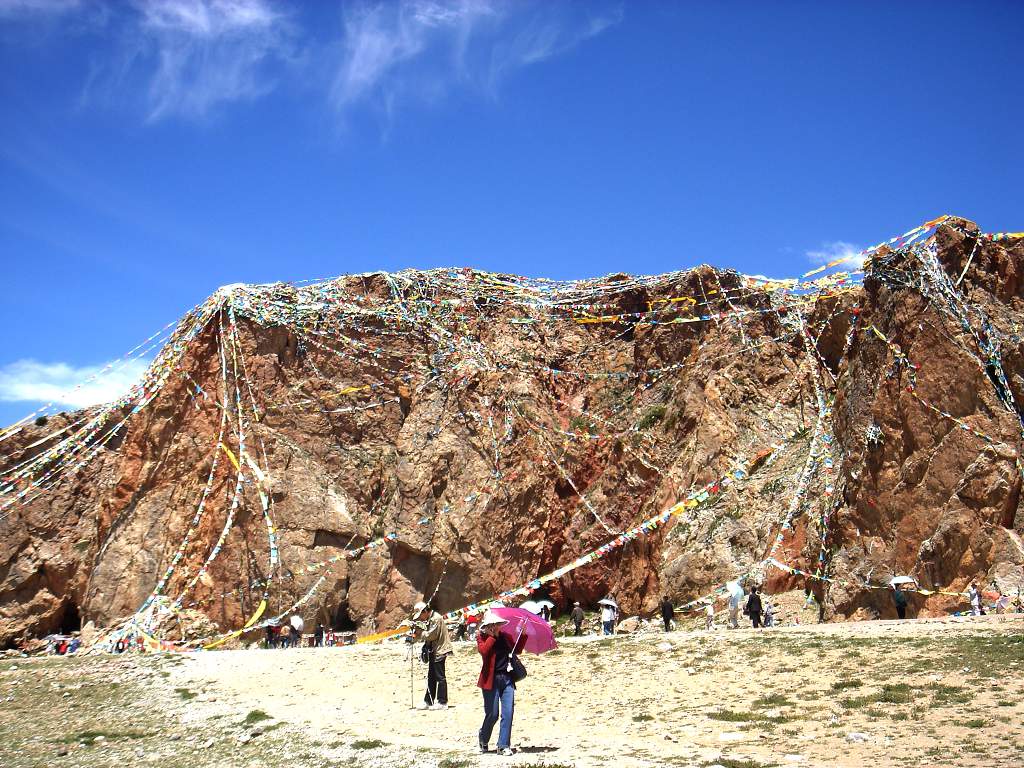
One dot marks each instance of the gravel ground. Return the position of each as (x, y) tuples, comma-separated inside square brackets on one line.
[(916, 693)]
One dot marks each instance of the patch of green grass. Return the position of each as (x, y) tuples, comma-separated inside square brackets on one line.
[(90, 736), (898, 693), (255, 716), (651, 416), (453, 762), (368, 744), (732, 716), (1004, 703), (949, 694), (735, 762), (771, 701), (842, 685), (642, 718), (976, 723), (185, 693), (555, 652)]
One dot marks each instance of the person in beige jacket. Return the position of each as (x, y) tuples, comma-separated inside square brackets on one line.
[(430, 627)]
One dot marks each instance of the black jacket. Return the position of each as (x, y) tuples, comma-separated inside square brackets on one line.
[(754, 604)]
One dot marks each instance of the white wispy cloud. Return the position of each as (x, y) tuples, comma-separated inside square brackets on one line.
[(187, 58), (829, 252), (196, 55), (72, 386), (421, 48)]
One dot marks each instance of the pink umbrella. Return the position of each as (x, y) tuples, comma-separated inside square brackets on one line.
[(538, 634)]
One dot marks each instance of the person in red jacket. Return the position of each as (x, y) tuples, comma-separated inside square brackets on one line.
[(496, 682)]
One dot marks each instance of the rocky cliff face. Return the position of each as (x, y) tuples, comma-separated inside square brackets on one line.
[(359, 444)]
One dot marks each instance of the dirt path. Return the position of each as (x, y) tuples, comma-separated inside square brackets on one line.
[(793, 695), (919, 693)]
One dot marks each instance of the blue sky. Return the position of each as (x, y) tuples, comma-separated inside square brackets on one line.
[(152, 151)]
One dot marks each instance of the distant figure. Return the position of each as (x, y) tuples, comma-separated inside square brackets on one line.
[(769, 615), (284, 634), (297, 626), (666, 613), (430, 627), (271, 636), (974, 595), (329, 637), (734, 608), (608, 619), (545, 611), (899, 597), (462, 628), (318, 636), (709, 615), (495, 682), (577, 618), (753, 609)]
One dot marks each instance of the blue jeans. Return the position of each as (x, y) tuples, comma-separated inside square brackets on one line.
[(504, 694), (608, 626)]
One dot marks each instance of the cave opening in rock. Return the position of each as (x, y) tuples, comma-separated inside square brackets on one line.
[(70, 620), (341, 621)]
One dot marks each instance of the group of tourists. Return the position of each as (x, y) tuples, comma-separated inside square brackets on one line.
[(498, 675), (287, 635)]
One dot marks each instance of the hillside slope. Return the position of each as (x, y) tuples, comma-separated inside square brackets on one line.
[(351, 446)]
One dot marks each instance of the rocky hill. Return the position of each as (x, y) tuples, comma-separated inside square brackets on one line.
[(352, 446)]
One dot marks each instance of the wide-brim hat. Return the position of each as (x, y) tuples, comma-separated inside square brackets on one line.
[(419, 608), (490, 619)]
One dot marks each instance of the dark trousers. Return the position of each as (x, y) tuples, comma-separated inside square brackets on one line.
[(901, 611), (756, 620), (578, 630), (437, 683), (668, 623)]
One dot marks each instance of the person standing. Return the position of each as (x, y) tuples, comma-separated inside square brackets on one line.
[(297, 626), (285, 634), (318, 636), (974, 595), (734, 608), (608, 618), (430, 627), (709, 615), (577, 618), (666, 613), (899, 597), (495, 682), (753, 609), (271, 637)]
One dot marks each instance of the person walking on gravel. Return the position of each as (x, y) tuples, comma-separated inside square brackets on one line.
[(495, 681), (734, 608), (899, 597), (577, 618), (666, 613), (430, 626), (753, 609)]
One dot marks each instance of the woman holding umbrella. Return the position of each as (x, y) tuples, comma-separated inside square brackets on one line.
[(496, 683)]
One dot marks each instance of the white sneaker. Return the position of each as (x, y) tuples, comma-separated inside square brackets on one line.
[(424, 705), (438, 706), (506, 751)]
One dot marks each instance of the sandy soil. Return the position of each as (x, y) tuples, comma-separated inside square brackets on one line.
[(915, 693)]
